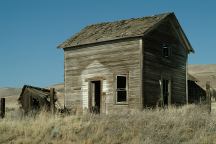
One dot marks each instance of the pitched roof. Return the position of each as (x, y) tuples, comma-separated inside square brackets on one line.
[(115, 30), (192, 78)]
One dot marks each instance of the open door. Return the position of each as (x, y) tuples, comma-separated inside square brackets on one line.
[(95, 96)]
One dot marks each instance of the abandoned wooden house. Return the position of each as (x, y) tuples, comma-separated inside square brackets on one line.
[(127, 64), (196, 94), (35, 98)]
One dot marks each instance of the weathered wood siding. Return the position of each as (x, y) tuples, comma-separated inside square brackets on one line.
[(102, 61), (157, 66)]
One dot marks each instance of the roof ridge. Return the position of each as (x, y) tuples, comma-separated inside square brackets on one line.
[(118, 29), (121, 20)]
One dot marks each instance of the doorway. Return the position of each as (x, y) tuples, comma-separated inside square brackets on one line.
[(95, 96), (166, 92)]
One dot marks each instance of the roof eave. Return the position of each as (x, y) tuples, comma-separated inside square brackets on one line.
[(187, 42), (183, 37), (102, 41)]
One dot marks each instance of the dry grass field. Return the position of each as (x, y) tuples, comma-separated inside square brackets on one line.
[(189, 124)]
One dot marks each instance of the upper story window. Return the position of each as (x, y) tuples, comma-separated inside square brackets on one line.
[(121, 88), (166, 50)]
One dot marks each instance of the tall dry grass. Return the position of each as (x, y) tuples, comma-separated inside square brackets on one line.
[(188, 124)]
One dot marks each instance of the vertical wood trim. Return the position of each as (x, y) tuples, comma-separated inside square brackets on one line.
[(89, 96), (186, 79), (114, 88), (52, 103), (92, 94), (141, 73), (161, 91), (208, 95), (102, 98), (64, 79), (170, 92)]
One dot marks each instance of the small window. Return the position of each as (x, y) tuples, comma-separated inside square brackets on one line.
[(166, 50), (121, 88)]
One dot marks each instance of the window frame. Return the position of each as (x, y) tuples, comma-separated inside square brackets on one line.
[(116, 89), (168, 47)]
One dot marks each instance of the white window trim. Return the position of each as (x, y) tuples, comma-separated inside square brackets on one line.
[(116, 95)]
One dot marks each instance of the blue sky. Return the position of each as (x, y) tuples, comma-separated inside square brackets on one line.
[(30, 31)]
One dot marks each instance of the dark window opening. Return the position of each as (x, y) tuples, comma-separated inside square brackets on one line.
[(121, 91), (121, 82), (121, 96), (166, 50)]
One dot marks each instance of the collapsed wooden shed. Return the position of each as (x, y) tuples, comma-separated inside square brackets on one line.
[(35, 98)]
